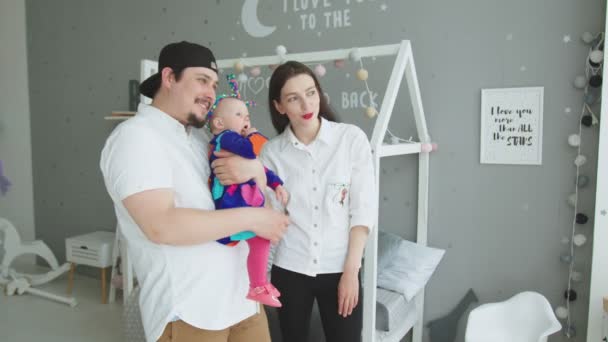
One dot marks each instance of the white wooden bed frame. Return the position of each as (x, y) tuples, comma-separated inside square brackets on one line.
[(404, 66)]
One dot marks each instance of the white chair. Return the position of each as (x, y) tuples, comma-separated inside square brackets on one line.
[(525, 317)]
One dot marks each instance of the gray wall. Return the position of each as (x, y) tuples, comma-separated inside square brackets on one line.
[(501, 225), (15, 140)]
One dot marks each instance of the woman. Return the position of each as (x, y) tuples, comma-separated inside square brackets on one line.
[(327, 167)]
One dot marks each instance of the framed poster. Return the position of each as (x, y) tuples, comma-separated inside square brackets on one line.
[(512, 126)]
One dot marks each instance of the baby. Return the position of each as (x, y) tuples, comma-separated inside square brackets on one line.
[(229, 123)]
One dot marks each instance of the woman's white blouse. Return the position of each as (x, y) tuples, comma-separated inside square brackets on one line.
[(332, 188)]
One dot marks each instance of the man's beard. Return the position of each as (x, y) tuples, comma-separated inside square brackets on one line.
[(196, 122)]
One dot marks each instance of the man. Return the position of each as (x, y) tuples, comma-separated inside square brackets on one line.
[(155, 170)]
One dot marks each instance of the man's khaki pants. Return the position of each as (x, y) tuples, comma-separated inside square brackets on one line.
[(252, 329)]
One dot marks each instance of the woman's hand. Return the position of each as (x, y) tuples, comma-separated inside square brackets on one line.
[(348, 292), (232, 169), (348, 288)]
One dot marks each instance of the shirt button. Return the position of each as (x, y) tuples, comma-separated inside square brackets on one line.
[(315, 243), (314, 189), (316, 207), (315, 225), (315, 261), (313, 170)]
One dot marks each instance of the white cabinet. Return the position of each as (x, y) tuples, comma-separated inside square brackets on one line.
[(93, 249)]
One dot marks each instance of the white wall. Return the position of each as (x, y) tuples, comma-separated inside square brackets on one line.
[(599, 270), (15, 134)]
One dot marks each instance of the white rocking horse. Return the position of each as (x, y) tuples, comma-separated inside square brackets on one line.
[(20, 283)]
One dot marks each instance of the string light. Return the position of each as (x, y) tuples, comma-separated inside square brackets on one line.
[(371, 111), (320, 70), (591, 80)]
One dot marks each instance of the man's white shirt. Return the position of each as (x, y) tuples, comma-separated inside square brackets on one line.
[(204, 285)]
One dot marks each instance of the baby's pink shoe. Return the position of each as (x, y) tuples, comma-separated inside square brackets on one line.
[(265, 294), (273, 290)]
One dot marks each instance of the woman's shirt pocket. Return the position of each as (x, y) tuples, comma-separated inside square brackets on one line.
[(337, 204)]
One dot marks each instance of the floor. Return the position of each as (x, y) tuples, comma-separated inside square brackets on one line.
[(28, 318)]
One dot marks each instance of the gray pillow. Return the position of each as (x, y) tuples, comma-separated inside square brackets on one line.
[(391, 310), (382, 317), (388, 245), (410, 268)]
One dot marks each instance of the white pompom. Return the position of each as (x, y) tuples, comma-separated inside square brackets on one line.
[(580, 160), (574, 140), (580, 82), (576, 276), (579, 240), (594, 120), (355, 55), (561, 312), (281, 50), (596, 56), (572, 200), (587, 37)]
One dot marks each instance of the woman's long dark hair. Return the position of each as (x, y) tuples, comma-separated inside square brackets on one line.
[(279, 77)]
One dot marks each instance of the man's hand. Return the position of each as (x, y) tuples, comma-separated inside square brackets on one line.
[(269, 224), (282, 195), (232, 169)]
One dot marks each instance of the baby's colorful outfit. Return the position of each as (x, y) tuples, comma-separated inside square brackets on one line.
[(247, 194)]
